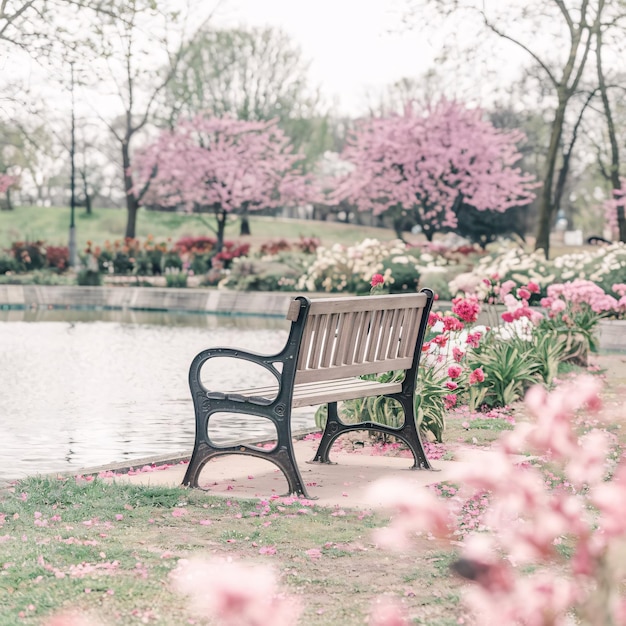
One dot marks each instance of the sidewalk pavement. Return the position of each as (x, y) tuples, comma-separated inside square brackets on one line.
[(344, 484)]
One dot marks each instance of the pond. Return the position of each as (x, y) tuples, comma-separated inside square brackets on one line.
[(86, 388)]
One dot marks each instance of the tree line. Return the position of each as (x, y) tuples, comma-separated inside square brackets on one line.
[(239, 100)]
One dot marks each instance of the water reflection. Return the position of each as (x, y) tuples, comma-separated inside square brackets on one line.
[(83, 388)]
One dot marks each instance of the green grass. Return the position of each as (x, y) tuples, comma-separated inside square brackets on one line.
[(107, 549), (52, 226)]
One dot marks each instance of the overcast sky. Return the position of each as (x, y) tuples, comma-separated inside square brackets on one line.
[(352, 45)]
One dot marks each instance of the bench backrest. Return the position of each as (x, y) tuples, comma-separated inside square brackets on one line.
[(351, 336)]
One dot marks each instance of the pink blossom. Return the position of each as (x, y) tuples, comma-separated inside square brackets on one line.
[(420, 161), (377, 279), (477, 376), (457, 354), (473, 339), (415, 510), (179, 512), (452, 385), (523, 294), (385, 612), (314, 553), (454, 371), (506, 287), (234, 593), (533, 287), (450, 400), (466, 308)]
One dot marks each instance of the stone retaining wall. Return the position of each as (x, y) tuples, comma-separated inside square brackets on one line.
[(146, 299)]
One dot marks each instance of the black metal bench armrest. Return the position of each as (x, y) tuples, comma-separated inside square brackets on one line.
[(263, 360)]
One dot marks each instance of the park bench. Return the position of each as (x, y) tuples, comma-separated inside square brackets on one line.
[(332, 343)]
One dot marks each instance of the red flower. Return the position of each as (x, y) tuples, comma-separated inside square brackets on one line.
[(454, 371), (477, 376), (377, 279)]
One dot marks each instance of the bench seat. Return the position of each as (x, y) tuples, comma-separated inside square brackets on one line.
[(310, 394)]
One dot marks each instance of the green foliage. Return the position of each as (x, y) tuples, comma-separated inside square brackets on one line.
[(405, 275), (87, 277), (279, 274), (548, 348), (429, 404), (510, 368), (429, 401), (174, 278), (8, 264)]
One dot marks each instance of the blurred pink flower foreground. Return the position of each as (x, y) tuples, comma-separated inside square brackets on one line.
[(520, 574), (235, 594)]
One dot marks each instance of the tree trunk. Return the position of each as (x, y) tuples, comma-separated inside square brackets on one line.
[(132, 206), (220, 216), (9, 204), (616, 182), (546, 206), (244, 224)]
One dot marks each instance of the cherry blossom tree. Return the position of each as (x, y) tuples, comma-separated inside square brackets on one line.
[(424, 166), (221, 166)]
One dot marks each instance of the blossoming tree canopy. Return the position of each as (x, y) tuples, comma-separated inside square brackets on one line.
[(6, 181), (221, 166), (425, 166)]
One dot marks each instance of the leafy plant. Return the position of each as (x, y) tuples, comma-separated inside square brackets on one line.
[(175, 278), (548, 347), (429, 404), (510, 368), (88, 277)]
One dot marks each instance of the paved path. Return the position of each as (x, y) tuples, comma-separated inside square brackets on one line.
[(344, 484)]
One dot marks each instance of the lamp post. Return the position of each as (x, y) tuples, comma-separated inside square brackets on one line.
[(73, 257)]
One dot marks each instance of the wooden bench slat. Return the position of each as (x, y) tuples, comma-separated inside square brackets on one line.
[(320, 392)]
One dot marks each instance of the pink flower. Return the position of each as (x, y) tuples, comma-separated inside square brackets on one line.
[(506, 287), (473, 339), (387, 613), (416, 509), (454, 371), (377, 279), (457, 354), (477, 376), (179, 512), (450, 400), (450, 384), (314, 553), (234, 594), (523, 294), (466, 308), (533, 287)]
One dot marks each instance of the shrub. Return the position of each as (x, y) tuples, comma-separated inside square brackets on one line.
[(175, 278), (57, 257), (272, 248), (8, 264), (281, 274), (89, 277), (30, 255)]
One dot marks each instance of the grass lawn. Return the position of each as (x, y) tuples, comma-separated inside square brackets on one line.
[(52, 226), (107, 549)]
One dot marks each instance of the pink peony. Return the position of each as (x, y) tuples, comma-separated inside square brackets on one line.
[(477, 376), (454, 371), (377, 279)]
